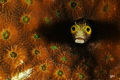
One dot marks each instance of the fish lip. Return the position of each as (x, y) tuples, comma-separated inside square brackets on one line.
[(79, 38)]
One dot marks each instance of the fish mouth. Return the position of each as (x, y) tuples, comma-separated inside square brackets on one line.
[(79, 40)]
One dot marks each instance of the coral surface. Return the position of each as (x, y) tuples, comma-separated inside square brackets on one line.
[(36, 42)]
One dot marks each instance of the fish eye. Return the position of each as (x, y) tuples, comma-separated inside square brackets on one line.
[(88, 30), (73, 29)]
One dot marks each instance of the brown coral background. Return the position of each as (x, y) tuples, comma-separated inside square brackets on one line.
[(39, 30)]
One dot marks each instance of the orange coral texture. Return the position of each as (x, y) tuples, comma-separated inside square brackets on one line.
[(35, 35)]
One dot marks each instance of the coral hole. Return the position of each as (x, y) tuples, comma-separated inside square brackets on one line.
[(60, 73), (37, 52), (73, 4), (13, 55), (43, 67), (6, 34)]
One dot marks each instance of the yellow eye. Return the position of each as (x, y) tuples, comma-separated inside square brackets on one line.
[(88, 30), (73, 29)]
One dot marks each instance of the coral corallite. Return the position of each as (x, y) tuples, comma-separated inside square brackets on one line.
[(61, 72), (14, 56), (9, 34), (38, 53), (80, 73), (42, 70), (65, 58), (26, 19), (105, 10), (101, 72), (74, 9), (58, 12)]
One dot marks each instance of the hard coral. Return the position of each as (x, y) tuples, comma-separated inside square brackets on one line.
[(14, 56), (74, 9), (43, 70), (36, 43), (61, 72)]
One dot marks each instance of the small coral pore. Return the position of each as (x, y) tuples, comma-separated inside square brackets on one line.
[(43, 67), (13, 55), (6, 34), (47, 20), (36, 36), (105, 8), (3, 1), (25, 19), (29, 2), (81, 76), (60, 73), (64, 58), (107, 58), (54, 47), (58, 13), (73, 4), (37, 52)]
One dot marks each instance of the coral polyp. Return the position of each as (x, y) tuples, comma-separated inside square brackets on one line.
[(38, 53), (80, 73), (74, 9), (43, 70), (47, 20), (26, 19), (3, 1), (36, 36), (58, 13), (61, 72), (65, 58), (105, 8), (5, 34), (29, 2), (101, 72), (73, 4), (14, 56), (9, 34)]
